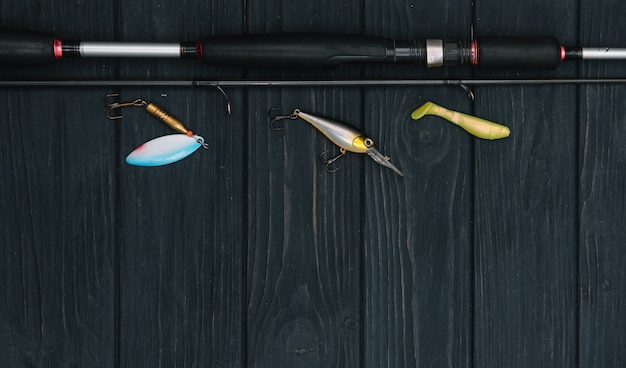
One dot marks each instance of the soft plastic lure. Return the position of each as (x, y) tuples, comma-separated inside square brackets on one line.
[(161, 150), (477, 127), (347, 137)]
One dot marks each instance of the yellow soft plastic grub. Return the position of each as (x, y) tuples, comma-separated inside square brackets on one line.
[(477, 127)]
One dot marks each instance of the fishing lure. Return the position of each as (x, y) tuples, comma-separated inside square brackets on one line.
[(347, 137), (161, 150), (165, 150), (477, 127)]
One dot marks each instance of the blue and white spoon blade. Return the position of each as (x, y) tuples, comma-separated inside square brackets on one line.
[(165, 150)]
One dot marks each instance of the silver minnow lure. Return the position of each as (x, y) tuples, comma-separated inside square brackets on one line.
[(346, 137)]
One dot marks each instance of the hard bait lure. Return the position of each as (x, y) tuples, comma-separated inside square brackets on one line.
[(162, 150), (478, 127), (165, 150), (347, 137)]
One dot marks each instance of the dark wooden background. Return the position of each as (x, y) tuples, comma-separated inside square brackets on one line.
[(509, 253)]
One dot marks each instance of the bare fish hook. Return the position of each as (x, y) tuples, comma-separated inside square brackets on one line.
[(469, 92), (228, 105)]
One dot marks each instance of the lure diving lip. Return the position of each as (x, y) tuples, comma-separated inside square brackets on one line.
[(165, 150), (382, 160)]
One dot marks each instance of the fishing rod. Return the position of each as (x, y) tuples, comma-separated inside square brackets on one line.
[(306, 83), (308, 50)]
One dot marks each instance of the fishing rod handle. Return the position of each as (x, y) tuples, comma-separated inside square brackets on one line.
[(20, 47), (296, 50), (306, 50), (318, 50), (544, 53), (26, 48)]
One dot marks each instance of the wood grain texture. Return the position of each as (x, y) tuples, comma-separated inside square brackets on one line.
[(57, 206), (249, 254), (181, 256), (304, 237), (57, 200), (525, 218), (602, 201), (182, 235), (417, 228)]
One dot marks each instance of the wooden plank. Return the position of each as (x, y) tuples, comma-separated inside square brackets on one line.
[(602, 201), (304, 224), (525, 309), (57, 205), (304, 238), (58, 237), (181, 257), (182, 234), (417, 228)]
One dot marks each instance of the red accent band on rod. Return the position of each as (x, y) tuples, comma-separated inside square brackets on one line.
[(474, 49), (199, 50), (58, 49)]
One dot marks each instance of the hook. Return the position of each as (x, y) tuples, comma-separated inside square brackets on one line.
[(328, 162), (275, 118), (115, 105), (228, 105), (469, 92)]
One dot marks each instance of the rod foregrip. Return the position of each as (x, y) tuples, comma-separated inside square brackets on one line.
[(518, 53), (298, 50), (26, 48)]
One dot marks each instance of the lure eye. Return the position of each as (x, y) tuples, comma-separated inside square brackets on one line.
[(368, 142)]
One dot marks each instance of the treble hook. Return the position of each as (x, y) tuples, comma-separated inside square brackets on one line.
[(327, 163), (116, 105), (151, 108), (275, 118)]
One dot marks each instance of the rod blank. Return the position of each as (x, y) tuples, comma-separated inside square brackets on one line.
[(308, 83)]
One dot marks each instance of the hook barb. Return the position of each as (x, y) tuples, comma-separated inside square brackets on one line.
[(469, 91), (330, 161), (228, 105), (116, 105), (274, 118)]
